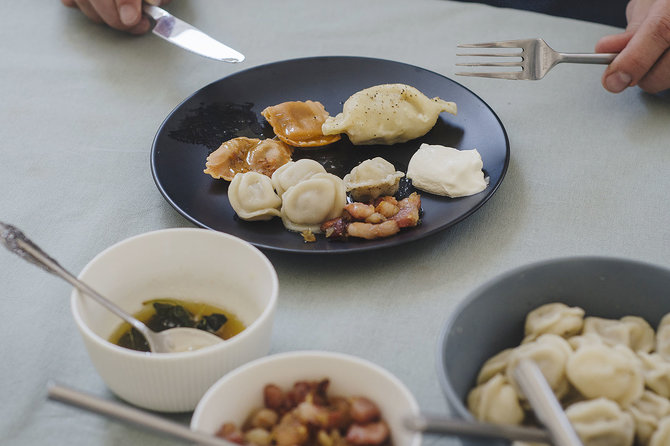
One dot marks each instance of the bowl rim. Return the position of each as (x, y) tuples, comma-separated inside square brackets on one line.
[(266, 314), (413, 406), (445, 383)]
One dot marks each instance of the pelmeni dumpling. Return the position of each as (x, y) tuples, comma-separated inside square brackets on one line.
[(387, 114), (495, 401), (371, 179), (555, 318), (641, 335), (647, 411), (631, 331), (551, 353), (656, 372), (252, 197), (601, 422), (294, 172), (310, 202), (576, 342), (603, 371), (494, 365), (662, 435), (663, 337)]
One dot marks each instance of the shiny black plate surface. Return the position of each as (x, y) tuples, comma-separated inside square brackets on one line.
[(231, 107)]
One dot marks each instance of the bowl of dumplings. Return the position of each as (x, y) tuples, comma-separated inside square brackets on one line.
[(597, 327)]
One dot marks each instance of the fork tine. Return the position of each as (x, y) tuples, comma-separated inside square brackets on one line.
[(500, 44), (492, 54), (511, 75), (489, 64)]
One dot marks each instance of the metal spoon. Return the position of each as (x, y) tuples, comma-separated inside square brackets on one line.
[(168, 341)]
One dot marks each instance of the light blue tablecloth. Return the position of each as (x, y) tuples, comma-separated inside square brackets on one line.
[(81, 104)]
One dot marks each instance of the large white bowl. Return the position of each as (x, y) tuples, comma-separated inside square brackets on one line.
[(235, 395), (187, 264)]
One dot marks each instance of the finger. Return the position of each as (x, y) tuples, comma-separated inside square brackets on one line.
[(614, 43), (649, 42), (88, 10), (69, 3), (658, 78)]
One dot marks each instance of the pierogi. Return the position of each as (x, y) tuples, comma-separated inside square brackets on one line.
[(240, 155), (387, 114), (299, 123)]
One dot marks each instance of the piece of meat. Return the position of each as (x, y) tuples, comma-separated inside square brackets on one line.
[(372, 231), (231, 432), (363, 410), (299, 123), (240, 155), (274, 398), (359, 211), (368, 434), (408, 213), (387, 208), (290, 431), (335, 229)]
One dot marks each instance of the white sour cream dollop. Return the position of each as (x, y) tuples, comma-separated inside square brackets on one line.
[(447, 171)]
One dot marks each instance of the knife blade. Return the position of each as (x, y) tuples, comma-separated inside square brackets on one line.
[(186, 36)]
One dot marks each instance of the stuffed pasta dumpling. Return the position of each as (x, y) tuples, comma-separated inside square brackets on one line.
[(294, 172), (601, 422), (387, 114), (310, 202), (252, 197), (371, 179)]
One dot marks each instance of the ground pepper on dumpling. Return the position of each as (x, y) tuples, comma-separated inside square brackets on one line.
[(240, 155), (299, 123)]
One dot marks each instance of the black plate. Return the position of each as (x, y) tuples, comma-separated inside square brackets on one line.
[(231, 107)]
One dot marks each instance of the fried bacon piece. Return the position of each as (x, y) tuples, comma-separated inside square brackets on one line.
[(383, 218), (299, 123), (368, 434), (240, 155)]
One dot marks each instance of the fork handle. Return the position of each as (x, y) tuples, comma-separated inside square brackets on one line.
[(592, 58)]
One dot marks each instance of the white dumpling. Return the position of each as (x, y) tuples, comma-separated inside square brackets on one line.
[(496, 401), (372, 178), (252, 197), (647, 411), (555, 318), (387, 114), (447, 171), (494, 365), (641, 334), (310, 202), (662, 435), (603, 371), (663, 337), (294, 172), (551, 353), (656, 372), (601, 422), (631, 331), (576, 342)]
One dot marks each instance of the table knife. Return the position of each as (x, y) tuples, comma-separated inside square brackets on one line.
[(186, 36)]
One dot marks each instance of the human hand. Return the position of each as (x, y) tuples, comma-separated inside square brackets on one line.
[(124, 15), (644, 58)]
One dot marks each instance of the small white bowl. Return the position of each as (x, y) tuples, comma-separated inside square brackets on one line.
[(186, 264), (235, 395)]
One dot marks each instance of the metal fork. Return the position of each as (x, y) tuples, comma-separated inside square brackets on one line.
[(537, 58)]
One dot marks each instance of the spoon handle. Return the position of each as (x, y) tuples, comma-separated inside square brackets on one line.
[(464, 428), (131, 415), (15, 241), (545, 405)]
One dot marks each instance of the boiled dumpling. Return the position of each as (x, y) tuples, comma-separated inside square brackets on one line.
[(662, 435), (610, 372), (577, 342), (555, 318), (494, 365), (647, 412), (631, 331), (387, 114), (310, 202), (496, 401), (252, 197), (601, 422), (656, 372), (663, 337), (371, 179), (294, 172), (447, 171), (551, 353), (641, 334)]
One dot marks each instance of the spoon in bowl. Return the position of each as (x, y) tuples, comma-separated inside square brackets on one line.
[(172, 340)]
